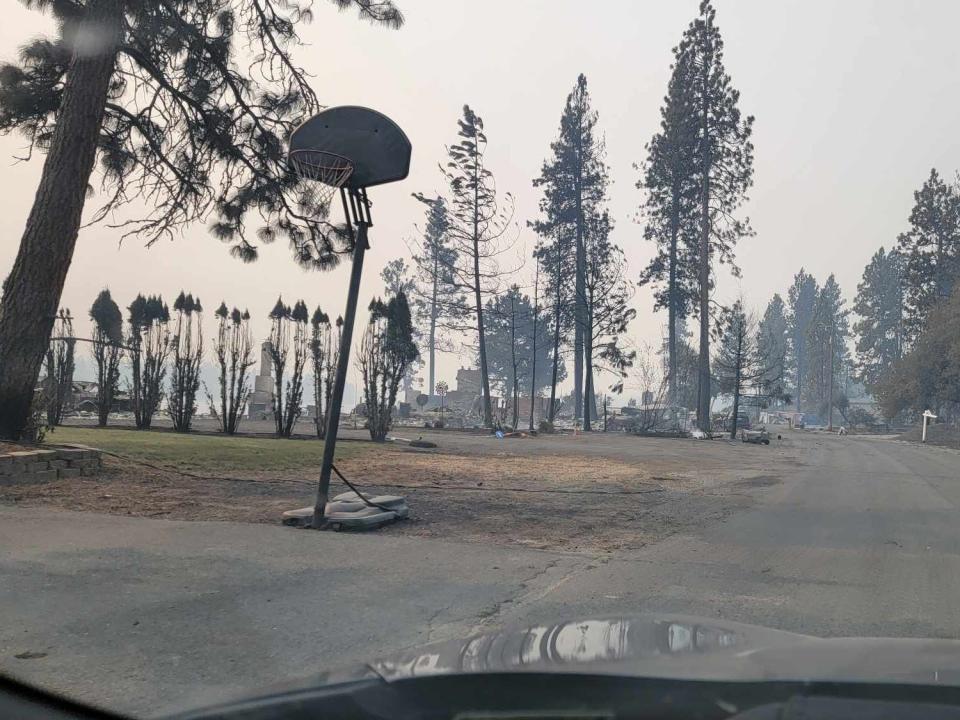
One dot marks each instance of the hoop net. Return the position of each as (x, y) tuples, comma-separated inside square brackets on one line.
[(329, 170)]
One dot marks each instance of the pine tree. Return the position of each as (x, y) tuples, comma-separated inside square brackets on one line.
[(802, 300), (396, 276), (670, 209), (574, 182), (184, 106), (518, 348), (607, 296), (555, 256), (478, 228), (826, 345), (880, 323), (931, 249), (724, 160), (741, 363), (435, 294), (107, 351), (773, 338)]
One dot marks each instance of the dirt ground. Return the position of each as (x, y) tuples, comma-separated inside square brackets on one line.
[(587, 493)]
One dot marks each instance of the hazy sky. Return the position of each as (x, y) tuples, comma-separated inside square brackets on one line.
[(854, 101)]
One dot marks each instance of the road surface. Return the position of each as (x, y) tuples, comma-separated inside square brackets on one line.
[(860, 537)]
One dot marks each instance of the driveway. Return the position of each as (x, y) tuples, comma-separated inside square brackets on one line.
[(861, 538)]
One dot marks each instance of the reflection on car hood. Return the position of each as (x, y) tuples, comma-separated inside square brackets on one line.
[(675, 646)]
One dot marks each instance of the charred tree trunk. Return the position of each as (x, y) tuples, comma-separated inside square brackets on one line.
[(557, 309), (31, 293), (433, 324), (703, 399), (484, 373), (672, 304)]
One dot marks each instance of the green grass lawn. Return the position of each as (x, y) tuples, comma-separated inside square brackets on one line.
[(216, 454)]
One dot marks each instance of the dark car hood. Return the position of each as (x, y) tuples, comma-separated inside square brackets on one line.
[(682, 647)]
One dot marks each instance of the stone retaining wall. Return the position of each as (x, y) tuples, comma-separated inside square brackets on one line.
[(30, 466)]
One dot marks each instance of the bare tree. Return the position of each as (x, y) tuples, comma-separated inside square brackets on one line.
[(60, 366), (322, 350), (187, 345), (233, 349), (299, 318)]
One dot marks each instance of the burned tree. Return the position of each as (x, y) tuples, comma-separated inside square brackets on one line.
[(233, 349), (184, 107), (293, 397), (478, 227), (59, 367), (574, 181), (323, 350), (670, 211), (107, 351), (187, 347), (439, 301), (724, 171), (386, 351), (606, 301), (149, 319)]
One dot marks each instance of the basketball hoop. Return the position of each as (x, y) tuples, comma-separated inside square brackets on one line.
[(328, 169), (349, 148)]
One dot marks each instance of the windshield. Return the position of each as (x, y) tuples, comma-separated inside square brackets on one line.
[(619, 335)]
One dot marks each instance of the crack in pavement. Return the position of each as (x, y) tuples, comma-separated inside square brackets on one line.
[(525, 595)]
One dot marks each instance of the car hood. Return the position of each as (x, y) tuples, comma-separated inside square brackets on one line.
[(681, 647)]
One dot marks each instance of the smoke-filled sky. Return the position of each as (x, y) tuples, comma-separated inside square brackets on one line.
[(854, 103)]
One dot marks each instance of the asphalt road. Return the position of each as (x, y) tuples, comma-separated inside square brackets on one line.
[(860, 537)]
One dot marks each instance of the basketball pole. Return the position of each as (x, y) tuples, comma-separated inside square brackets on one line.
[(360, 218)]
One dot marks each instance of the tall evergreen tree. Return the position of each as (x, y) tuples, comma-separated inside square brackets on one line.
[(478, 227), (670, 207), (574, 182), (931, 249), (607, 296), (826, 345), (724, 159), (518, 348), (186, 105), (802, 301), (773, 339), (438, 299), (879, 309), (508, 316), (554, 254), (396, 276), (743, 362)]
